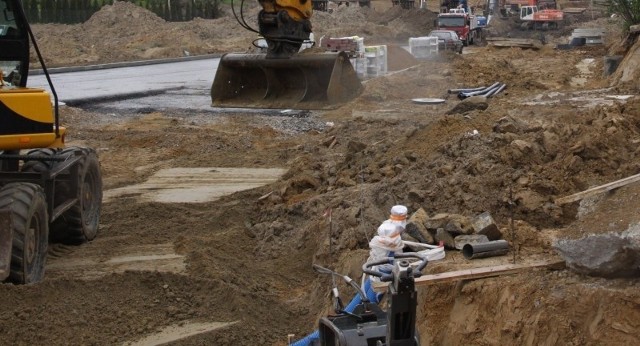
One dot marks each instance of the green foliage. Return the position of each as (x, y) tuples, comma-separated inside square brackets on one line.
[(629, 10)]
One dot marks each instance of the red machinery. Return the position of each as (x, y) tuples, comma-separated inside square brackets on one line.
[(464, 24)]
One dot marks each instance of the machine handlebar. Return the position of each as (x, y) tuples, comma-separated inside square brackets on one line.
[(385, 277)]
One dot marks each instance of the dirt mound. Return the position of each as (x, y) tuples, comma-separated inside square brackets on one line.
[(113, 16), (124, 32), (399, 58)]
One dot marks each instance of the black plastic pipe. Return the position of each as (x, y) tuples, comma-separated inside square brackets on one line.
[(498, 90), (490, 92), (488, 249), (467, 90), (463, 96)]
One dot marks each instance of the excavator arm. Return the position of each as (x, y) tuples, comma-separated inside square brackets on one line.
[(285, 25)]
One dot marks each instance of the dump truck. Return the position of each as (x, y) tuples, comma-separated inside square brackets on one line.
[(284, 77), (48, 191), (464, 24)]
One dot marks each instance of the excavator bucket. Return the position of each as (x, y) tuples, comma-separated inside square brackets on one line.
[(305, 81)]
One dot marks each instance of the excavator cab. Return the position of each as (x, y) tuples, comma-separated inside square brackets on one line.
[(284, 77), (14, 57), (25, 113)]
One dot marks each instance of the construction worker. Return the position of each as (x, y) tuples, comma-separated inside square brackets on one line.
[(388, 240)]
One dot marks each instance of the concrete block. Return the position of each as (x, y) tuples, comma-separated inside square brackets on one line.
[(485, 225), (446, 238)]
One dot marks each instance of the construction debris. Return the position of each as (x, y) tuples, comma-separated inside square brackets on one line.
[(416, 227), (484, 224)]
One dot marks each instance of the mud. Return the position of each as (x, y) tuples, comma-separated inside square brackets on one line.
[(245, 258)]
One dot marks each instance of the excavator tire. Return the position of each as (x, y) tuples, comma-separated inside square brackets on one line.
[(304, 81), (78, 224), (30, 227)]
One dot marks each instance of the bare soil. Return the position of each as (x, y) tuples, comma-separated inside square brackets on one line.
[(247, 256)]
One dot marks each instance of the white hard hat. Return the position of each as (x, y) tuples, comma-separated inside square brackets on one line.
[(399, 215)]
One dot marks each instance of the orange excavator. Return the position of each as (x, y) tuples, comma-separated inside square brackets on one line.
[(537, 14), (284, 77)]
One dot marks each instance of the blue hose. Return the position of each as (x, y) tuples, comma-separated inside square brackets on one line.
[(368, 291)]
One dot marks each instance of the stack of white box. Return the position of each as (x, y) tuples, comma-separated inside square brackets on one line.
[(376, 60), (423, 47)]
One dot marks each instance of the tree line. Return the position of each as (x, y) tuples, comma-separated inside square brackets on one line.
[(78, 11), (628, 9)]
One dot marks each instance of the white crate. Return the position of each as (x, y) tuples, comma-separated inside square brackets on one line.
[(423, 47), (360, 66), (376, 58)]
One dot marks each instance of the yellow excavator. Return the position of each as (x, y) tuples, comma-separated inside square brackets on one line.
[(47, 190), (284, 77)]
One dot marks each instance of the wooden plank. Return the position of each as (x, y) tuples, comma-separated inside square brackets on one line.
[(598, 189), (474, 274)]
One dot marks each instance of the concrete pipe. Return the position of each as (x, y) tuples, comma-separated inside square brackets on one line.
[(488, 249)]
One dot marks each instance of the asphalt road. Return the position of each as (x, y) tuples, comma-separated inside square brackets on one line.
[(106, 84)]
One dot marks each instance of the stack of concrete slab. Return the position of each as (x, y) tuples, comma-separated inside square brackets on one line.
[(592, 36)]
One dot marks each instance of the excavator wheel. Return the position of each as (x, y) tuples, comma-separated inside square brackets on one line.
[(37, 165), (30, 227), (78, 224)]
